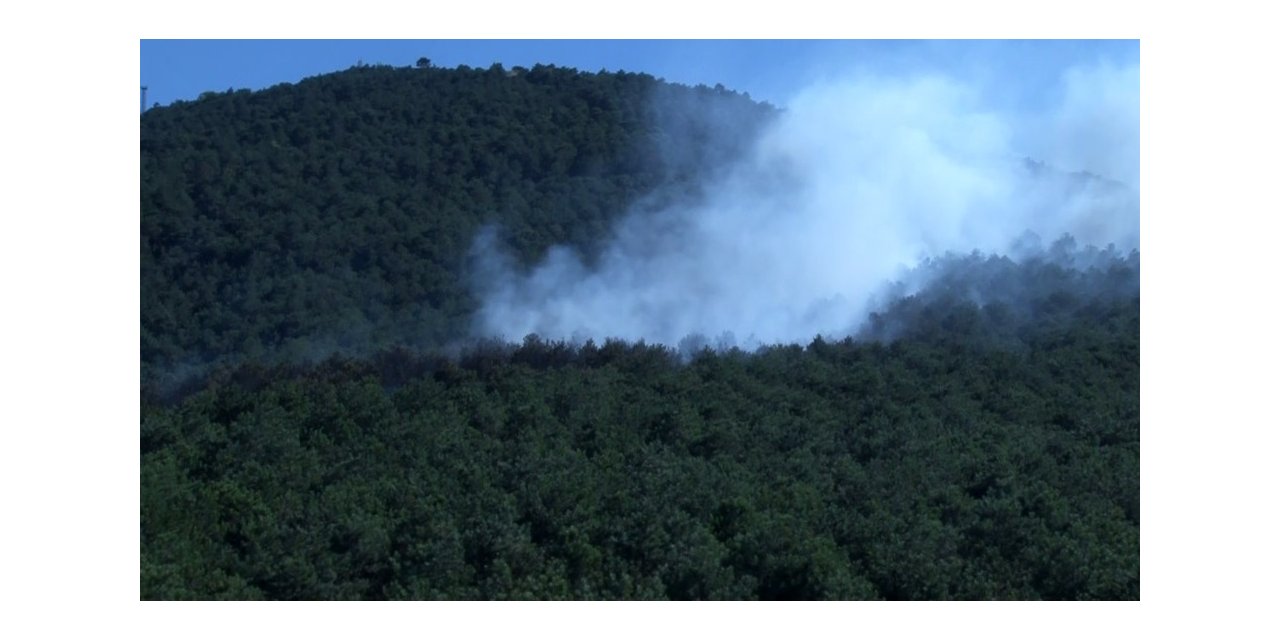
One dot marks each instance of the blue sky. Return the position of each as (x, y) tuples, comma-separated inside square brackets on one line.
[(772, 70)]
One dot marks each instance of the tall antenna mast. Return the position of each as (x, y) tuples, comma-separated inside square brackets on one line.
[(144, 97)]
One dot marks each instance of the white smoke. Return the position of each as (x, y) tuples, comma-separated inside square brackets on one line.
[(854, 183)]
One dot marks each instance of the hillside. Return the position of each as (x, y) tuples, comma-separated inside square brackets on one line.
[(321, 421), (975, 456), (921, 470), (335, 215)]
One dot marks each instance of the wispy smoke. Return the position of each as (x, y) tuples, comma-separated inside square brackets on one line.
[(854, 183)]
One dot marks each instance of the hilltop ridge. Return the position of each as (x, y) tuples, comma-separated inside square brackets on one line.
[(335, 215)]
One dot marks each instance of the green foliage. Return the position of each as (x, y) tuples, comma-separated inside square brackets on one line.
[(979, 440), (336, 215), (922, 469)]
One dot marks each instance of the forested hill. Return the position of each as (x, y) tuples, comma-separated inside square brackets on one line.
[(311, 427), (979, 440), (335, 215), (944, 465)]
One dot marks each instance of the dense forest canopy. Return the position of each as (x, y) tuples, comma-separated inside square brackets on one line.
[(318, 423), (954, 464), (335, 215)]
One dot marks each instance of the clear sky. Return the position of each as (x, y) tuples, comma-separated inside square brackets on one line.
[(770, 70)]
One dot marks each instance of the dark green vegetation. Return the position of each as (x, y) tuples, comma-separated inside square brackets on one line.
[(980, 438), (336, 215), (979, 457)]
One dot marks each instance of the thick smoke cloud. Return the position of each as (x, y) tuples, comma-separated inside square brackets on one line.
[(855, 183)]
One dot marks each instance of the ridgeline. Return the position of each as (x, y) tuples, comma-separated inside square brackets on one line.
[(312, 430)]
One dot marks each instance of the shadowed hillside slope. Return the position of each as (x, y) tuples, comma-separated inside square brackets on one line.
[(335, 215)]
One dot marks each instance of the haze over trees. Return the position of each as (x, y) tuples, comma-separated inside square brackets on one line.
[(336, 215), (319, 421)]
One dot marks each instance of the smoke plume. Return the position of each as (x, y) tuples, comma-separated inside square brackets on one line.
[(855, 183)]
